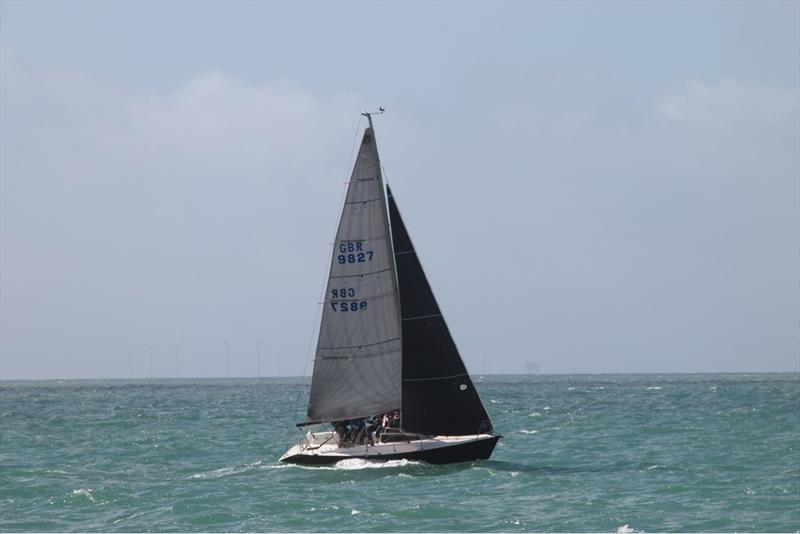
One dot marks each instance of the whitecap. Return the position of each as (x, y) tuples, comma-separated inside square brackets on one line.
[(354, 512), (625, 529), (87, 492), (534, 414), (225, 471), (655, 466), (529, 431), (546, 408), (570, 389), (216, 473), (654, 387)]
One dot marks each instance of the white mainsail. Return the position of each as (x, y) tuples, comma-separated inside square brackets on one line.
[(357, 366)]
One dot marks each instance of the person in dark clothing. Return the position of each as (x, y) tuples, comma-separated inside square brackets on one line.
[(359, 431), (339, 429), (372, 428), (395, 422)]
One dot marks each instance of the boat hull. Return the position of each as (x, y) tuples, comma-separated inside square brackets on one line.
[(436, 450)]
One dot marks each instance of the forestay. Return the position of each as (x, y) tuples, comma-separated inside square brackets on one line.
[(357, 368)]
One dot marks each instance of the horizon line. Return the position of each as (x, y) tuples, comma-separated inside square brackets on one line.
[(601, 373)]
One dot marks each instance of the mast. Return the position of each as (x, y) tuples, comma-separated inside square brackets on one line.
[(393, 265)]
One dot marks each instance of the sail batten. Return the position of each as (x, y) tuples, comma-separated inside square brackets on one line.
[(357, 366)]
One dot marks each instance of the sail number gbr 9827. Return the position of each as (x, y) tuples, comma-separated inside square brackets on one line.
[(343, 299), (353, 252)]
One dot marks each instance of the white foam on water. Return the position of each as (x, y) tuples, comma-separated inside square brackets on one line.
[(354, 512), (534, 414), (277, 466), (226, 471), (570, 389), (654, 387), (625, 529), (361, 463), (529, 431), (656, 466), (216, 473), (86, 492), (546, 408)]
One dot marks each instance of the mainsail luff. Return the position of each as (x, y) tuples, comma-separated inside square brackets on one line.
[(438, 396), (357, 367)]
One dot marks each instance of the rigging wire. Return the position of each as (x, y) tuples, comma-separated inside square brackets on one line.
[(321, 300)]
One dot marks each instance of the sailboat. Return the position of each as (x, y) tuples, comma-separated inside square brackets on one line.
[(387, 374)]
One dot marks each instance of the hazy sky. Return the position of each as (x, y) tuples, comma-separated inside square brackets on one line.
[(594, 187)]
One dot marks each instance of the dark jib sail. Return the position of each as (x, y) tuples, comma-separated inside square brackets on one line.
[(438, 396)]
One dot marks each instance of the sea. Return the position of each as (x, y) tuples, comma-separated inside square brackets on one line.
[(599, 453)]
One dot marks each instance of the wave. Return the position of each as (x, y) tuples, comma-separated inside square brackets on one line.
[(654, 387), (235, 470), (84, 492), (361, 463), (529, 431)]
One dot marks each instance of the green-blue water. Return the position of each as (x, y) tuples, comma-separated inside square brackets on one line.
[(657, 453)]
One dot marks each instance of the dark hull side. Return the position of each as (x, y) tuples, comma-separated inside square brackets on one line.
[(465, 452)]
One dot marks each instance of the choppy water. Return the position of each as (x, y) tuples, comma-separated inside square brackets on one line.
[(596, 453)]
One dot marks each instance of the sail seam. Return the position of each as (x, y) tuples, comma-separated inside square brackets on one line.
[(404, 252), (422, 317), (363, 201), (357, 239), (360, 346), (434, 378), (359, 357), (363, 274)]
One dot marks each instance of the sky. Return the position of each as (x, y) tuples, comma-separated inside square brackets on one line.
[(592, 187)]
